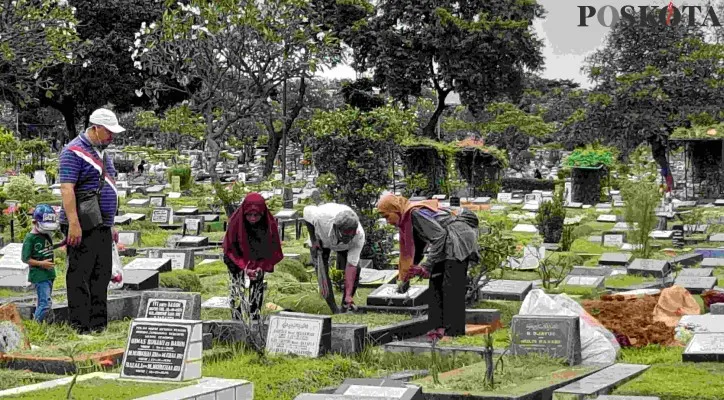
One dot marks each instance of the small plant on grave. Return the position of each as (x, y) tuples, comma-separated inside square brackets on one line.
[(642, 198), (71, 352), (242, 300), (495, 248), (550, 219), (435, 336), (489, 381)]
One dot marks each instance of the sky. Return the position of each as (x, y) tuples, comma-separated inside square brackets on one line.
[(567, 44)]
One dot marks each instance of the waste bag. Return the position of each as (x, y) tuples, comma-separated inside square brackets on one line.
[(675, 302)]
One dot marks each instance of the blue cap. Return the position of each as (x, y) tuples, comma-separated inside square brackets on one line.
[(45, 217)]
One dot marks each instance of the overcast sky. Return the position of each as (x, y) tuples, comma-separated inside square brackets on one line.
[(567, 44)]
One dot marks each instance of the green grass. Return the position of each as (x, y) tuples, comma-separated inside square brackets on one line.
[(678, 381), (372, 320), (501, 340), (53, 339), (520, 375), (109, 390), (507, 308), (624, 281), (11, 378)]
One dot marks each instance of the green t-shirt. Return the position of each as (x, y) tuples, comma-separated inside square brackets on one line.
[(39, 247)]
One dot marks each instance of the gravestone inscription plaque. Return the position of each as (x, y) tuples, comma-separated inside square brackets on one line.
[(556, 336), (301, 334)]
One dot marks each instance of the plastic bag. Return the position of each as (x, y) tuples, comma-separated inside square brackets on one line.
[(117, 271), (675, 302), (598, 344)]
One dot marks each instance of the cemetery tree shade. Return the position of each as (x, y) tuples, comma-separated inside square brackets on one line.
[(479, 50), (35, 36)]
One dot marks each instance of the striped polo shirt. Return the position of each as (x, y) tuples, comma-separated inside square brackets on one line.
[(81, 164)]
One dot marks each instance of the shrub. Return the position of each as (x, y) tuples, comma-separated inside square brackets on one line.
[(294, 268), (527, 184), (184, 172), (182, 279), (22, 189), (550, 218), (641, 200), (123, 166)]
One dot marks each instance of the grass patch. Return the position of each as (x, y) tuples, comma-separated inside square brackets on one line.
[(501, 340), (11, 378), (372, 320), (52, 339), (585, 292), (110, 390), (624, 281), (507, 308), (520, 375), (679, 381), (514, 275), (650, 355)]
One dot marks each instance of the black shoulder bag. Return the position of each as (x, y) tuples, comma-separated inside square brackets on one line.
[(88, 203)]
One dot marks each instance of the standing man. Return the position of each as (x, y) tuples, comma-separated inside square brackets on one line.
[(335, 227), (90, 201)]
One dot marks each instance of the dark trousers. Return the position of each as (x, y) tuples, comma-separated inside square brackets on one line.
[(89, 271), (448, 285), (238, 295)]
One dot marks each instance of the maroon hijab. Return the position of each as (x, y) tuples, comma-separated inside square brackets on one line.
[(236, 241)]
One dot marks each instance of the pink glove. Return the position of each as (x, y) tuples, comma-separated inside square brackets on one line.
[(117, 278), (115, 235)]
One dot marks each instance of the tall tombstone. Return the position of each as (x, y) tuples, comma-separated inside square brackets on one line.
[(175, 183), (170, 305), (677, 239), (162, 216), (157, 200), (194, 225), (163, 350), (556, 336)]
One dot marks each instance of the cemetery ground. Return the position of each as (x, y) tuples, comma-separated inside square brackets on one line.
[(293, 287)]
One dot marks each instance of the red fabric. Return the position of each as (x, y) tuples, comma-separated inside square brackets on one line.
[(236, 244), (669, 12)]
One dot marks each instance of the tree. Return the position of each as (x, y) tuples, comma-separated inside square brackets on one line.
[(238, 52), (36, 35), (480, 49), (649, 81)]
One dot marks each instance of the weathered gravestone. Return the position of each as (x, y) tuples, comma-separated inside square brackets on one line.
[(300, 334), (194, 226), (162, 216), (139, 279), (501, 289), (556, 336), (163, 350), (504, 197), (187, 211), (716, 309), (588, 281), (138, 202), (180, 259), (122, 219), (615, 259), (703, 323), (696, 284), (712, 262), (700, 272), (687, 260), (705, 347), (614, 239), (386, 388), (192, 241), (603, 381), (149, 264), (590, 271), (387, 295), (649, 267), (12, 330), (375, 277), (170, 305), (606, 218), (157, 200), (129, 238)]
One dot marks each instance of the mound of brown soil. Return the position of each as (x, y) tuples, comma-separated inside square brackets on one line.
[(632, 318)]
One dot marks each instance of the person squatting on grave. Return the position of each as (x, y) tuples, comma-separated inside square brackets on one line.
[(453, 245), (90, 202), (335, 227), (38, 254), (252, 247)]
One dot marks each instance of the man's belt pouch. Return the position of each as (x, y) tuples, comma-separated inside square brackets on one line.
[(88, 204)]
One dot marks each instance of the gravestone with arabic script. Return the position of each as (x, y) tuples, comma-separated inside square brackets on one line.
[(556, 336), (301, 334)]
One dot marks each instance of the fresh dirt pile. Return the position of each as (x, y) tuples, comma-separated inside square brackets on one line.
[(631, 320)]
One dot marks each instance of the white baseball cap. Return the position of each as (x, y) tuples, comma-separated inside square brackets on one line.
[(106, 118)]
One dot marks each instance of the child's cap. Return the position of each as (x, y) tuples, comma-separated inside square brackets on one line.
[(45, 217)]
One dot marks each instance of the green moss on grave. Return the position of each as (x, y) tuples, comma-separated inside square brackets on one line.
[(97, 388), (624, 281)]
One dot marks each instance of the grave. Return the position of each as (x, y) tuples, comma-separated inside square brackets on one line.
[(627, 398), (157, 200), (696, 284), (163, 350), (697, 272), (615, 259), (139, 279), (698, 228), (138, 203), (603, 381), (192, 241), (136, 217), (384, 388), (705, 347), (170, 305), (162, 216), (149, 264), (590, 271), (661, 234), (129, 238), (687, 260), (187, 211), (194, 226), (716, 309), (607, 218), (649, 267), (613, 239), (574, 205), (210, 217), (504, 197), (603, 207), (527, 228), (300, 334), (712, 262), (217, 302), (122, 219), (174, 195), (703, 323), (373, 277), (481, 200), (588, 281), (387, 295), (717, 237), (501, 289), (155, 189), (556, 336), (180, 259)]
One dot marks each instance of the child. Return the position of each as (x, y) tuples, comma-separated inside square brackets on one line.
[(38, 254)]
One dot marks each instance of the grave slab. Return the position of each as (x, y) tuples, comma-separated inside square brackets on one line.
[(696, 284), (621, 227), (716, 309), (556, 336), (705, 347), (700, 272), (162, 216), (194, 225), (301, 334), (187, 211), (385, 388), (603, 381), (180, 259), (155, 189), (149, 264), (129, 238), (615, 259), (387, 295), (703, 323), (193, 241), (606, 397), (717, 237), (614, 239), (136, 217), (140, 280), (157, 200), (649, 267), (170, 305), (373, 278), (138, 202), (661, 234), (590, 271), (607, 218), (122, 220), (163, 350), (687, 260), (208, 389), (501, 289), (712, 262), (588, 281)]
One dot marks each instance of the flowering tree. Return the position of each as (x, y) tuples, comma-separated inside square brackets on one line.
[(34, 35), (229, 58)]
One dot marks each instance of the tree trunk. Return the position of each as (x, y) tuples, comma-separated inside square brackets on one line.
[(275, 139), (429, 129), (212, 156), (658, 150)]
